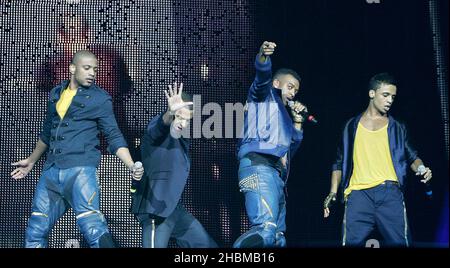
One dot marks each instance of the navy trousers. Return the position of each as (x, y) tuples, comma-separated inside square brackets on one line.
[(382, 207), (180, 225)]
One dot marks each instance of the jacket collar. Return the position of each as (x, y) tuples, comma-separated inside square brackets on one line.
[(277, 96), (64, 84)]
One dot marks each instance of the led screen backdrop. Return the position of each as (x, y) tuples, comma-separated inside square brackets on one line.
[(142, 46)]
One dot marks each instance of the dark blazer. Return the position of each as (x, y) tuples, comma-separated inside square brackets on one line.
[(73, 140), (166, 164)]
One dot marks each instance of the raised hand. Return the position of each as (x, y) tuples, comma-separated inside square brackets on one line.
[(174, 100), (267, 48)]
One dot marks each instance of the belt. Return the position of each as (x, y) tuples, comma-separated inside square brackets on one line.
[(390, 182)]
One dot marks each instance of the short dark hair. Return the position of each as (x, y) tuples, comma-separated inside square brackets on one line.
[(285, 71), (82, 53), (379, 79)]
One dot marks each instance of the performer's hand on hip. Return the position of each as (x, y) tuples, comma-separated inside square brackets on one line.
[(174, 100), (329, 200), (23, 168)]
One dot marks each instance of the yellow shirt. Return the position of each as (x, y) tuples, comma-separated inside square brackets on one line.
[(372, 161), (64, 102)]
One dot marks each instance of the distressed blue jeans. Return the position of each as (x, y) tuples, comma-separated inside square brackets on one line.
[(265, 204), (56, 191)]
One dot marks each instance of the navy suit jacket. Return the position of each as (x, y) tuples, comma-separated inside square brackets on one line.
[(73, 140), (167, 164)]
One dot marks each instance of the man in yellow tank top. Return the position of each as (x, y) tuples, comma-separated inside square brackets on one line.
[(370, 168)]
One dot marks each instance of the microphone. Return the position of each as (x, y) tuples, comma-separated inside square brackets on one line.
[(428, 190), (304, 113), (135, 181)]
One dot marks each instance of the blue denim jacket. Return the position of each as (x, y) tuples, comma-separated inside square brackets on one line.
[(73, 140), (402, 152), (268, 128)]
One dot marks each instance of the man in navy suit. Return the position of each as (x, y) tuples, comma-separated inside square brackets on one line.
[(165, 156), (77, 111)]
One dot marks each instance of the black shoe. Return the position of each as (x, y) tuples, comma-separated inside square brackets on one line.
[(106, 241), (253, 241)]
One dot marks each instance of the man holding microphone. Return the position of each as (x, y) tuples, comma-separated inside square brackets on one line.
[(272, 134)]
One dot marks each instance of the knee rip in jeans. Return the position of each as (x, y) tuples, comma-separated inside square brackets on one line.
[(89, 213), (268, 224), (249, 183), (34, 213)]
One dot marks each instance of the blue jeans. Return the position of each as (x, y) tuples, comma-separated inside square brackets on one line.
[(265, 204), (181, 225), (58, 189), (382, 207)]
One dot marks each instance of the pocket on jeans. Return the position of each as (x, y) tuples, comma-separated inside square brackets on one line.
[(347, 198), (397, 192), (249, 183)]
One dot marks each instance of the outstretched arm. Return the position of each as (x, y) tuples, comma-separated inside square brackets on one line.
[(262, 84), (159, 126), (267, 48)]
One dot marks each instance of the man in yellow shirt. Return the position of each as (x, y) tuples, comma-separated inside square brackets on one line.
[(371, 167)]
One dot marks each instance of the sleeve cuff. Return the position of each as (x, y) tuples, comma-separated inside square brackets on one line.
[(44, 139), (119, 144), (336, 167), (298, 135), (266, 66)]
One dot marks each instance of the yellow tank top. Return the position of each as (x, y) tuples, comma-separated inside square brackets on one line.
[(372, 161)]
